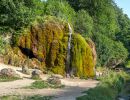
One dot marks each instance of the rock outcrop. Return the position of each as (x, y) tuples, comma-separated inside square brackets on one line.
[(8, 72), (46, 41)]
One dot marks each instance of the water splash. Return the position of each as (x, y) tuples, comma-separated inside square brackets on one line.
[(69, 51)]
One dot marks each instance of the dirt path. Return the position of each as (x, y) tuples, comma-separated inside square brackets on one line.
[(67, 93), (73, 89)]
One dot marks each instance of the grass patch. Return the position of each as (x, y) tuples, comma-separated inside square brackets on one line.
[(35, 97), (43, 84), (110, 86), (7, 79)]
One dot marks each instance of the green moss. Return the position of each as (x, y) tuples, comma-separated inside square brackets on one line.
[(28, 41), (81, 58), (53, 52), (14, 57), (58, 70), (47, 39)]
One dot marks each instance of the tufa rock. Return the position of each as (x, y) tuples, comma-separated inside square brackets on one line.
[(46, 40)]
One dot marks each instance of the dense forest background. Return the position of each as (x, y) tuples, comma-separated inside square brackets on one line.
[(101, 20)]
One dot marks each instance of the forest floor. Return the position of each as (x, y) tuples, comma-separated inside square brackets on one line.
[(73, 87)]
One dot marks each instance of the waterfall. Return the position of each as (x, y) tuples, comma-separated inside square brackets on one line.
[(69, 51)]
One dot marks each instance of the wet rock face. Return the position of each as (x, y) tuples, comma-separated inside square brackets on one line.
[(93, 48), (82, 61), (47, 42)]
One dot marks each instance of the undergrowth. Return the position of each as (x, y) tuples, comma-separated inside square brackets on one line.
[(43, 84), (7, 78), (111, 84)]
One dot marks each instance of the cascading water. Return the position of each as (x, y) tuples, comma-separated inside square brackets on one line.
[(68, 69)]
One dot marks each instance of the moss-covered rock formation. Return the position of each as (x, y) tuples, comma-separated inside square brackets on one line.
[(46, 40), (82, 61)]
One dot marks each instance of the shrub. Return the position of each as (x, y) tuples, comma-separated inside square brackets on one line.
[(43, 84), (110, 52), (110, 86), (7, 78), (3, 44), (60, 9), (127, 64), (83, 23), (15, 15)]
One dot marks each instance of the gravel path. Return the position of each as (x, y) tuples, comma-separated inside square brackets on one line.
[(73, 89)]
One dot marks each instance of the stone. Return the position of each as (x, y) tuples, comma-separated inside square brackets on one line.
[(36, 74), (54, 81), (9, 72), (25, 70)]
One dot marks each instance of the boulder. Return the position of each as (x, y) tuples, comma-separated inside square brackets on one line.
[(25, 70), (9, 72), (54, 81), (36, 74)]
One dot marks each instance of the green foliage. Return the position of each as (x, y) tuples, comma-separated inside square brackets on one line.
[(43, 84), (111, 84), (36, 6), (110, 53), (3, 45), (46, 37), (60, 9), (83, 23), (127, 64), (39, 85), (7, 78), (17, 14), (124, 25), (108, 20), (13, 14)]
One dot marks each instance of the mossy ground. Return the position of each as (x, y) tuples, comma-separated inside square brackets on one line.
[(40, 84)]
